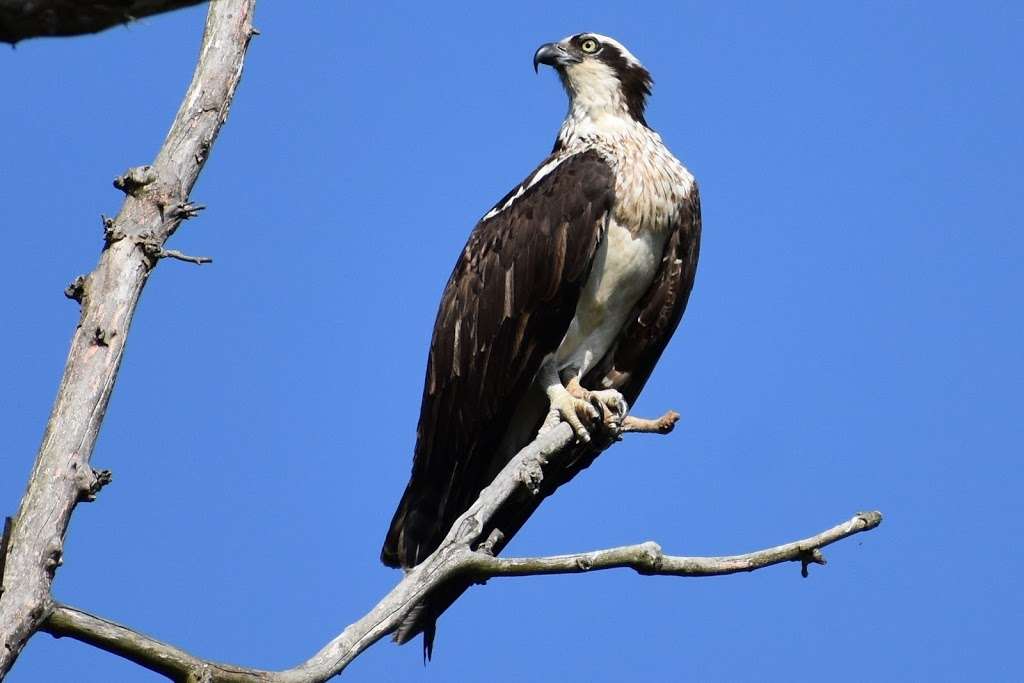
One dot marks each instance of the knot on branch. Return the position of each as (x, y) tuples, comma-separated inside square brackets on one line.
[(102, 337), (76, 290), (809, 557), (200, 674), (54, 556), (650, 559), (531, 474), (204, 145), (135, 180), (111, 233), (91, 482)]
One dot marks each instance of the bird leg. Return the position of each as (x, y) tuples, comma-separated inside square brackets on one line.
[(563, 406)]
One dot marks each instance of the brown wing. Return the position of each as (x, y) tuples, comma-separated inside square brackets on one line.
[(639, 346), (508, 304)]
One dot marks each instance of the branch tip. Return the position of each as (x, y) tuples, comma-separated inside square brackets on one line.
[(91, 482), (175, 254), (870, 519)]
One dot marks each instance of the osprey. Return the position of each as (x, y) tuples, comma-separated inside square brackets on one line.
[(560, 304)]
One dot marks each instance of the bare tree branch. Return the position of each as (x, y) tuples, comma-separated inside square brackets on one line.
[(455, 559), (21, 19), (648, 558), (155, 204), (143, 650)]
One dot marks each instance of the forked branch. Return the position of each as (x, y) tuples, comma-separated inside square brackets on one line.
[(648, 558), (459, 557)]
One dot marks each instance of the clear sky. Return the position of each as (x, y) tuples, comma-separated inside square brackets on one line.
[(854, 340)]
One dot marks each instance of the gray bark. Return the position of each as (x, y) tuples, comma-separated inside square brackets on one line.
[(156, 202)]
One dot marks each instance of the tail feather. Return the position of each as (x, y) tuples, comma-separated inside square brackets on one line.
[(420, 619)]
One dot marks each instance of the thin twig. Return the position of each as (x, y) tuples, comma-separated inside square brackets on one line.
[(175, 254)]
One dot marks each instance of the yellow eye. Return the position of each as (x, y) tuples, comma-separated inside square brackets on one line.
[(589, 46)]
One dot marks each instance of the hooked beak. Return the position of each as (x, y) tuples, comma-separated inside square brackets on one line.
[(553, 54)]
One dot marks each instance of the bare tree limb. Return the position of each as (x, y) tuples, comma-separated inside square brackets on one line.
[(141, 649), (648, 558), (21, 19), (455, 559), (156, 202)]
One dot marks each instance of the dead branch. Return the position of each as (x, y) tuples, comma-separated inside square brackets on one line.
[(648, 558), (150, 653), (463, 555), (151, 213), (175, 254), (21, 19)]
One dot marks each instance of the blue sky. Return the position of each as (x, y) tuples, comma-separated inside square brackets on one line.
[(854, 340)]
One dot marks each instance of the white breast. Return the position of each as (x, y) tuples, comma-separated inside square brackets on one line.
[(650, 186), (624, 266)]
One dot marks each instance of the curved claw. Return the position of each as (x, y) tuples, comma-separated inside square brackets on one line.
[(612, 405)]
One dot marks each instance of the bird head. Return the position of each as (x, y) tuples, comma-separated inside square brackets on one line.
[(599, 73)]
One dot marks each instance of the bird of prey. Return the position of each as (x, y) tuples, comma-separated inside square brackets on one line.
[(560, 304)]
